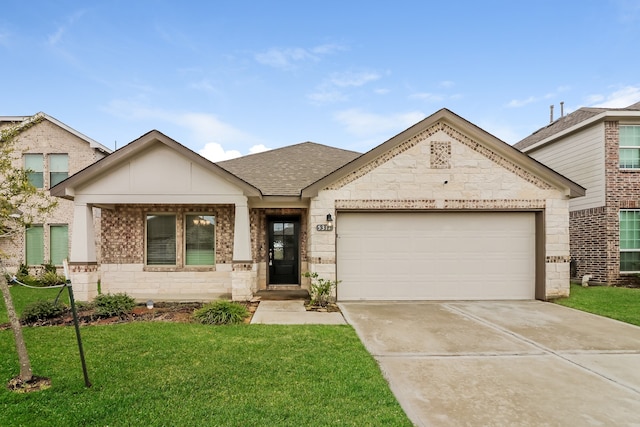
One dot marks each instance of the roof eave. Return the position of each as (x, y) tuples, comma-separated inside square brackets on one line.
[(611, 114)]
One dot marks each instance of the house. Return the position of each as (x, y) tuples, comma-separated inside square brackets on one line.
[(599, 148), (52, 151), (441, 211)]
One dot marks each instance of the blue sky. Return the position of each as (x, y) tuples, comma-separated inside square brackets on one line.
[(227, 78)]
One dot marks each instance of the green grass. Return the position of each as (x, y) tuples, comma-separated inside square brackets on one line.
[(168, 374), (22, 296), (617, 303)]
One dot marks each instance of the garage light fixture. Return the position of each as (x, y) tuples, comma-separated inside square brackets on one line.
[(329, 219)]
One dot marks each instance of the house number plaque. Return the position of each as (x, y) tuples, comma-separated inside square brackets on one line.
[(324, 227)]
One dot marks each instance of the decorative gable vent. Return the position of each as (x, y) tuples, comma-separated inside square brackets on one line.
[(440, 154)]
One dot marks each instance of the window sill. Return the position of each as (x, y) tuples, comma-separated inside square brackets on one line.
[(174, 268)]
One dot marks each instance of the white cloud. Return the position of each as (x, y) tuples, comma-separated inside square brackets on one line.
[(350, 78), (327, 96), (447, 84), (204, 86), (54, 38), (620, 98), (516, 103), (363, 124), (329, 90), (206, 130), (214, 152), (288, 58), (260, 148)]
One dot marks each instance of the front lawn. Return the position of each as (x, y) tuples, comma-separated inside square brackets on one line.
[(22, 296), (617, 303), (187, 374)]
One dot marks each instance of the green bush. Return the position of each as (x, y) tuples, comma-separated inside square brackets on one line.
[(321, 289), (38, 311), (109, 305), (51, 278), (221, 312)]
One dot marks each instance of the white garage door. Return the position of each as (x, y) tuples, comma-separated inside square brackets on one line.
[(436, 256)]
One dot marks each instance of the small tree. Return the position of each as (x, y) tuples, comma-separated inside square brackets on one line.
[(20, 203)]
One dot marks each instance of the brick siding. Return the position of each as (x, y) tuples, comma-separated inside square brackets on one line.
[(595, 233)]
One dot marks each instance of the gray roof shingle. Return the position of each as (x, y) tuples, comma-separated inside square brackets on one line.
[(286, 171), (578, 116)]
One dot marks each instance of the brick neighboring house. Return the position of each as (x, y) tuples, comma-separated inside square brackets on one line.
[(599, 148), (441, 211), (53, 151)]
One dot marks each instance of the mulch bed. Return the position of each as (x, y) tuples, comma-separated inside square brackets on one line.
[(161, 312)]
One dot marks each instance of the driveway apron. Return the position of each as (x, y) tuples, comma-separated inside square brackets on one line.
[(503, 363)]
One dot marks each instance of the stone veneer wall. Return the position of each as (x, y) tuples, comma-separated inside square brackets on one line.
[(442, 169), (123, 269), (47, 138)]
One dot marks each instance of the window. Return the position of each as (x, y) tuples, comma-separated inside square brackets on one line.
[(58, 243), (34, 164), (197, 245), (161, 240), (629, 241), (629, 147), (58, 168), (34, 243), (200, 240)]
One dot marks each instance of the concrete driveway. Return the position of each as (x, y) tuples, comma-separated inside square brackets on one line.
[(524, 363)]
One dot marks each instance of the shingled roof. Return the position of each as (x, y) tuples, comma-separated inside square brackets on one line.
[(566, 122), (286, 171)]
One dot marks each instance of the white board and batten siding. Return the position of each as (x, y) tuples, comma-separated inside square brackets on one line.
[(436, 256)]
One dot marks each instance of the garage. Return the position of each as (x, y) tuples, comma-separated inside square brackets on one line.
[(435, 255)]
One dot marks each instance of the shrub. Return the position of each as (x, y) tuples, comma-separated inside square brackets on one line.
[(51, 278), (221, 313), (38, 311), (108, 305), (320, 289)]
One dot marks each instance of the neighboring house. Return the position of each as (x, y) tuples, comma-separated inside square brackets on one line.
[(599, 148), (441, 211), (52, 151)]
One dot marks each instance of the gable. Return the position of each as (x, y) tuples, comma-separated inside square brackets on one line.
[(154, 169), (445, 153), (161, 172)]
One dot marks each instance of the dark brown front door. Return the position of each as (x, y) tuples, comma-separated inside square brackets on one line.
[(283, 251)]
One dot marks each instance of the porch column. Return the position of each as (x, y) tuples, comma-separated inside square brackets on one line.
[(242, 233), (83, 243), (83, 265), (244, 274)]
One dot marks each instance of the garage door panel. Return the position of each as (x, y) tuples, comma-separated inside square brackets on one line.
[(409, 256)]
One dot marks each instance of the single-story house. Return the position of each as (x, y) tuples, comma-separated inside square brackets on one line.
[(441, 211)]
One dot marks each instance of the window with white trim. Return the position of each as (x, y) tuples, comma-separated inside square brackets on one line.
[(629, 241), (629, 147)]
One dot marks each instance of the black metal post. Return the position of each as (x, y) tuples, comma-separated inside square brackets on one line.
[(75, 321)]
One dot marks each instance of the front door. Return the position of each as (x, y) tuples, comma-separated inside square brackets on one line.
[(283, 251)]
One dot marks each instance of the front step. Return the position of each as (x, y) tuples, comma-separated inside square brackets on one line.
[(280, 294)]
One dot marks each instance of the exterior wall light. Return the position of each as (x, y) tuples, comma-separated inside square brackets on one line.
[(329, 219)]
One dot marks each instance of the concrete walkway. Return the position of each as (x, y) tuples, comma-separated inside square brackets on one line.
[(293, 313), (516, 363)]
